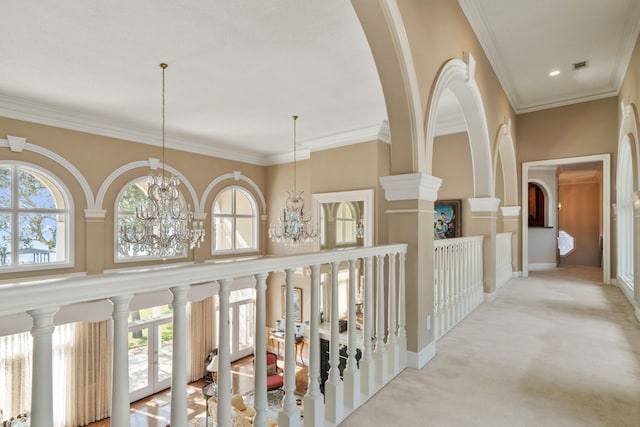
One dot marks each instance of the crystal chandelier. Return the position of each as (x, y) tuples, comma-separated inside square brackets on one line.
[(163, 226), (293, 228), (359, 230)]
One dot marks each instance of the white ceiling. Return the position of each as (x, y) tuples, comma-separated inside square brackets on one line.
[(238, 70)]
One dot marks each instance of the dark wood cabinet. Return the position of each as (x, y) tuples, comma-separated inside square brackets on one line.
[(325, 364)]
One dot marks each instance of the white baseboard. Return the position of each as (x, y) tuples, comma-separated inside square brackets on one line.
[(517, 274), (542, 266), (613, 281), (418, 360), (490, 296)]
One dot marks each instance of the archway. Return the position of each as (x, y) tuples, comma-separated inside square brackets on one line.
[(505, 149)]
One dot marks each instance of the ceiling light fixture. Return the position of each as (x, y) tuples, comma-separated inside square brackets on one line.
[(554, 73), (163, 226), (293, 228)]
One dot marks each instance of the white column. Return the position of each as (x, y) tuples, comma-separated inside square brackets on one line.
[(367, 364), (224, 358), (402, 314), (635, 266), (333, 387), (392, 341), (314, 400), (260, 352), (351, 373), (290, 414), (120, 375), (179, 380), (42, 375), (381, 352)]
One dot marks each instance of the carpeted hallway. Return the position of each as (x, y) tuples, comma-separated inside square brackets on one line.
[(555, 349)]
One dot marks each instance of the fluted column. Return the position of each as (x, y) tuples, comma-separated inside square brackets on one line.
[(179, 380), (402, 313), (42, 376), (260, 353), (351, 373), (120, 372), (367, 363), (314, 400), (290, 414), (333, 387), (224, 355), (392, 341), (381, 352)]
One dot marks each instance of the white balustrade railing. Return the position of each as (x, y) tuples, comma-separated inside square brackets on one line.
[(383, 355), (504, 271), (457, 280)]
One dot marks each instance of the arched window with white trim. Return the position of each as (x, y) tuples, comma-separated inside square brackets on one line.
[(345, 224), (35, 214), (625, 212), (234, 221)]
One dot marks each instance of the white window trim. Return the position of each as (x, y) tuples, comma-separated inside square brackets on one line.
[(255, 216)]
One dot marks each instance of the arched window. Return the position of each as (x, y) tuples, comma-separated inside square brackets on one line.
[(235, 221), (537, 205), (345, 224), (35, 214), (131, 196)]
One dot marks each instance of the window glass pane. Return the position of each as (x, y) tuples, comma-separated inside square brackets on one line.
[(133, 196), (243, 205), (223, 203), (150, 313), (5, 239), (125, 249), (33, 193), (5, 187), (138, 359), (224, 233), (39, 238), (244, 233)]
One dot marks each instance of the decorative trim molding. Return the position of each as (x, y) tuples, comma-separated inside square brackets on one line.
[(95, 214), (16, 143), (484, 204), (490, 296), (384, 134), (508, 211), (418, 360), (236, 176), (411, 186), (517, 274)]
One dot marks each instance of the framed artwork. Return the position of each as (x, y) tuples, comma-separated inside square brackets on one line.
[(446, 220), (297, 303)]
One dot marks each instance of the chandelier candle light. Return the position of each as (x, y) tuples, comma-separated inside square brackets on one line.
[(163, 227), (293, 228)]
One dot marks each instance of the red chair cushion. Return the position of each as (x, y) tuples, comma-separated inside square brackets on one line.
[(274, 381)]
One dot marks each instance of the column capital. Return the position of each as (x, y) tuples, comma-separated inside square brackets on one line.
[(510, 211), (484, 204), (95, 215), (412, 186), (42, 320)]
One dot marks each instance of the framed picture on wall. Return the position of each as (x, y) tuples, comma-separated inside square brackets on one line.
[(446, 219), (297, 303)]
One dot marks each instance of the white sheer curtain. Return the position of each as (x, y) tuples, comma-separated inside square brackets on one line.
[(15, 374), (202, 334)]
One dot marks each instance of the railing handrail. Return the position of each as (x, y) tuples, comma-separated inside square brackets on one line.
[(44, 292), (447, 242)]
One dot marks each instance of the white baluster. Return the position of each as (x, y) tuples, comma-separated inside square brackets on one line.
[(314, 400), (179, 414), (447, 286), (334, 387), (224, 358), (290, 414), (402, 313), (351, 373), (120, 370), (392, 341), (42, 378), (260, 352), (367, 363), (381, 352)]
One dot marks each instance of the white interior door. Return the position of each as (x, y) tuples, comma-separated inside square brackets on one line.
[(242, 323), (150, 357)]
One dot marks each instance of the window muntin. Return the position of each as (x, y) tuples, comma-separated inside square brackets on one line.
[(34, 213), (345, 224), (234, 221)]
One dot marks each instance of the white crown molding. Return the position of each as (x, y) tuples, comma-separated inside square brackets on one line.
[(484, 204), (631, 27), (450, 125), (411, 186), (567, 101)]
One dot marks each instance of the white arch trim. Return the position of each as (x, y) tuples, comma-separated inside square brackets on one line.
[(19, 144), (458, 76), (629, 126), (505, 149), (236, 176), (153, 164)]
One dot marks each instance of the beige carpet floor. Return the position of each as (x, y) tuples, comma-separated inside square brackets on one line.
[(555, 349)]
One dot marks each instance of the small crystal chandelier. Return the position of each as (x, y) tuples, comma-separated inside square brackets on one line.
[(293, 228), (164, 228), (359, 230)]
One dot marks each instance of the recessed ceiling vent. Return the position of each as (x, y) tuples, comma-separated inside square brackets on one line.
[(578, 66)]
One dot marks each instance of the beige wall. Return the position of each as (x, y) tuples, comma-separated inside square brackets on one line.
[(579, 217), (630, 89)]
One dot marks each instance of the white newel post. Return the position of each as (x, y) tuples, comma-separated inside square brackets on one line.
[(333, 387), (120, 375), (402, 314), (314, 400), (381, 352), (367, 364), (290, 414), (179, 380), (351, 374), (392, 341), (42, 377), (260, 353), (224, 356)]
